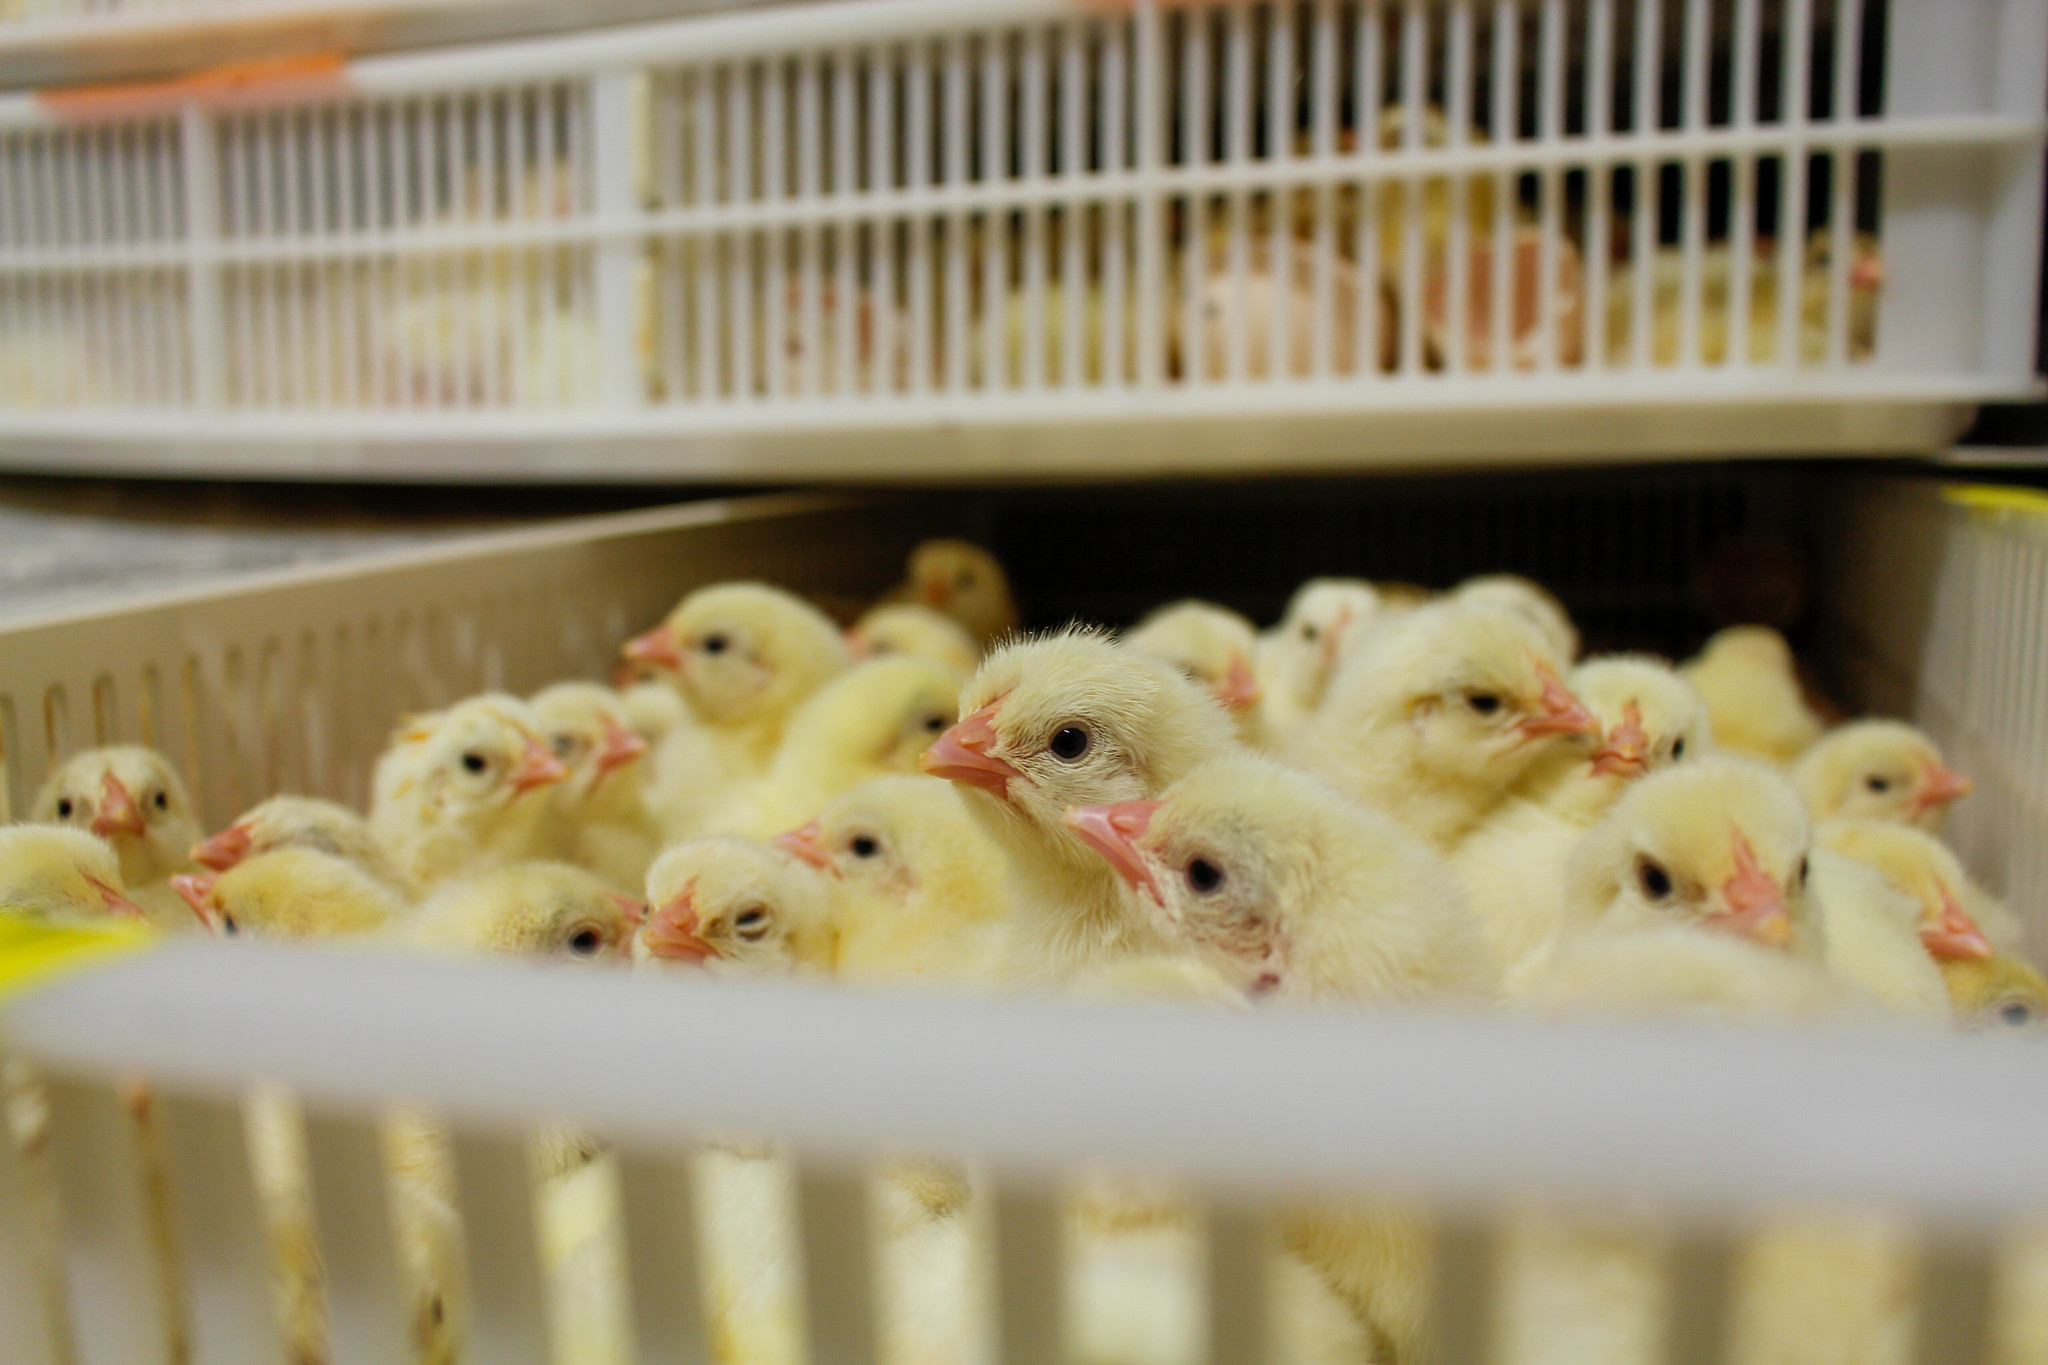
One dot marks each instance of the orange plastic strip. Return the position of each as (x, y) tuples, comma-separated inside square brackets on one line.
[(265, 80)]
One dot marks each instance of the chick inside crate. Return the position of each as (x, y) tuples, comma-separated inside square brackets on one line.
[(1008, 236), (1417, 980)]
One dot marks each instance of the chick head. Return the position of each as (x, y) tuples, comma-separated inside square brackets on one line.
[(965, 582), (544, 910), (291, 822), (1921, 867), (881, 714), (917, 630), (1323, 615), (1267, 874), (1528, 600), (1757, 646), (734, 906), (1719, 843), (129, 796), (54, 872), (899, 837), (1213, 645), (1878, 770), (1649, 716), (1074, 719), (743, 653), (1996, 992), (1475, 694), (585, 726), (480, 755), (291, 893)]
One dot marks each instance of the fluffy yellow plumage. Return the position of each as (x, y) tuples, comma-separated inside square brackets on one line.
[(1296, 659), (291, 893), (1878, 770), (1753, 694), (603, 820), (1212, 645), (133, 798), (733, 906), (302, 822), (57, 874), (964, 581), (914, 629)]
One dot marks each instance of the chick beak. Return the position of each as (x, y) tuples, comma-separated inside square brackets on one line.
[(856, 645), (634, 911), (196, 890), (224, 849), (537, 767), (1558, 712), (805, 845), (1755, 906), (1626, 752), (962, 755), (118, 813), (619, 747), (1954, 936), (1939, 786), (659, 648), (936, 591), (1113, 832), (1332, 637), (120, 904), (671, 931), (1239, 689)]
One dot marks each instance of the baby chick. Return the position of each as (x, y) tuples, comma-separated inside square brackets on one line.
[(875, 719), (918, 887), (1878, 770), (61, 875), (1528, 600), (1719, 843), (965, 582), (1437, 713), (1997, 992), (603, 820), (1513, 864), (1872, 935), (914, 629), (1071, 719), (1295, 659), (1212, 645), (292, 893), (1753, 694), (302, 822), (528, 909), (732, 906), (131, 797), (461, 790)]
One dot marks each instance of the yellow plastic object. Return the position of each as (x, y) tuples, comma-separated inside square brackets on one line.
[(32, 952), (1994, 497)]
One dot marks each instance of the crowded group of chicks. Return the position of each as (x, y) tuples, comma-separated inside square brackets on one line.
[(1394, 796)]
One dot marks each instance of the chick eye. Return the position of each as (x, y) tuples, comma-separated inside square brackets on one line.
[(1800, 878), (161, 801), (716, 644), (1204, 876), (864, 846), (751, 924), (1677, 748), (586, 942), (1655, 881), (1878, 784), (1485, 703), (1309, 632), (935, 724), (228, 925), (474, 762), (2017, 1013), (1069, 744), (563, 745), (64, 809)]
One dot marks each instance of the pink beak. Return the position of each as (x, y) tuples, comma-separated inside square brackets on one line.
[(1240, 687), (1941, 786), (1756, 909), (936, 591), (961, 755), (660, 647), (1955, 937), (671, 932), (117, 902), (634, 910), (224, 849), (619, 747), (1113, 832), (804, 844), (196, 890), (1866, 272), (537, 767), (1627, 750), (118, 813), (1558, 712)]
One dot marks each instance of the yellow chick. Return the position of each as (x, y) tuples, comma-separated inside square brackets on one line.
[(1878, 770), (1872, 932), (1958, 920), (875, 719), (1753, 694), (1212, 645), (528, 909), (1291, 890), (1513, 864), (290, 893), (918, 887), (917, 630), (1296, 659), (1438, 713), (651, 706), (965, 582), (1511, 592), (58, 875), (736, 907), (1997, 992), (603, 821), (302, 822), (131, 797), (462, 790), (1071, 719), (1718, 843)]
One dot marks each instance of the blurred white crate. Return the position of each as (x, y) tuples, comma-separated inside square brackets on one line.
[(942, 238), (1930, 604)]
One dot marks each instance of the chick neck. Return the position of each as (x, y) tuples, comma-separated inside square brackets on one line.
[(1564, 783), (1067, 908)]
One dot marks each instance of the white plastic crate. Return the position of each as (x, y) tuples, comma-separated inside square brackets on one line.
[(918, 237), (289, 682)]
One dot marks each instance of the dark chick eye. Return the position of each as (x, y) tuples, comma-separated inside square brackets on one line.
[(2017, 1013), (64, 809), (586, 942), (162, 801), (751, 925), (1802, 873), (716, 644), (1309, 633), (935, 724), (1655, 881), (563, 746), (1678, 748), (1204, 875), (1878, 784), (228, 925), (474, 762), (1069, 744), (1485, 703), (863, 846)]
